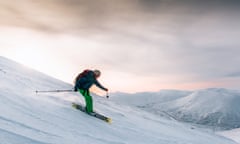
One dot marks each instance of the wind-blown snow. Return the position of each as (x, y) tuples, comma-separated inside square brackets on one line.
[(48, 118)]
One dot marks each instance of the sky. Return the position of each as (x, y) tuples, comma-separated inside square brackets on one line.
[(139, 45)]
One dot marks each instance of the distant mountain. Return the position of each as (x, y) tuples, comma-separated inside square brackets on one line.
[(215, 107), (145, 99), (212, 107)]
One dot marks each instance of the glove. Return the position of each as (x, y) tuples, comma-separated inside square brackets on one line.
[(106, 90)]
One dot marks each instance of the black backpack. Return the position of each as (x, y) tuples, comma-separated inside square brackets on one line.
[(80, 75)]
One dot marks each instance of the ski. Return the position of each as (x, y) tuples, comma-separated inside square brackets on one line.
[(94, 114)]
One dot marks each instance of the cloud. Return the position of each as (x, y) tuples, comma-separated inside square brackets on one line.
[(82, 16), (235, 74), (197, 40)]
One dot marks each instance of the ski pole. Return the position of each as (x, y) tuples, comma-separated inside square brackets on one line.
[(54, 91), (107, 96)]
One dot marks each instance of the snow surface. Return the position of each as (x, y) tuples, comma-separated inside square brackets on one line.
[(232, 134), (48, 118)]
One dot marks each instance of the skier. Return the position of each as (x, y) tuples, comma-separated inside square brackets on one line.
[(82, 84)]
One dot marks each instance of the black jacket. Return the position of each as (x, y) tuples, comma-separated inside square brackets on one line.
[(87, 81)]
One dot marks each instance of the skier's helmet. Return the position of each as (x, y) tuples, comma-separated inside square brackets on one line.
[(97, 73)]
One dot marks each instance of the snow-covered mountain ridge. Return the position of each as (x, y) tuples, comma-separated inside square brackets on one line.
[(48, 118), (215, 107)]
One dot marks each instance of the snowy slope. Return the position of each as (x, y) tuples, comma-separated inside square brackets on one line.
[(149, 101), (27, 117), (232, 134), (215, 107)]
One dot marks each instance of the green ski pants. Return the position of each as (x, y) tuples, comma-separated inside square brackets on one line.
[(88, 100)]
